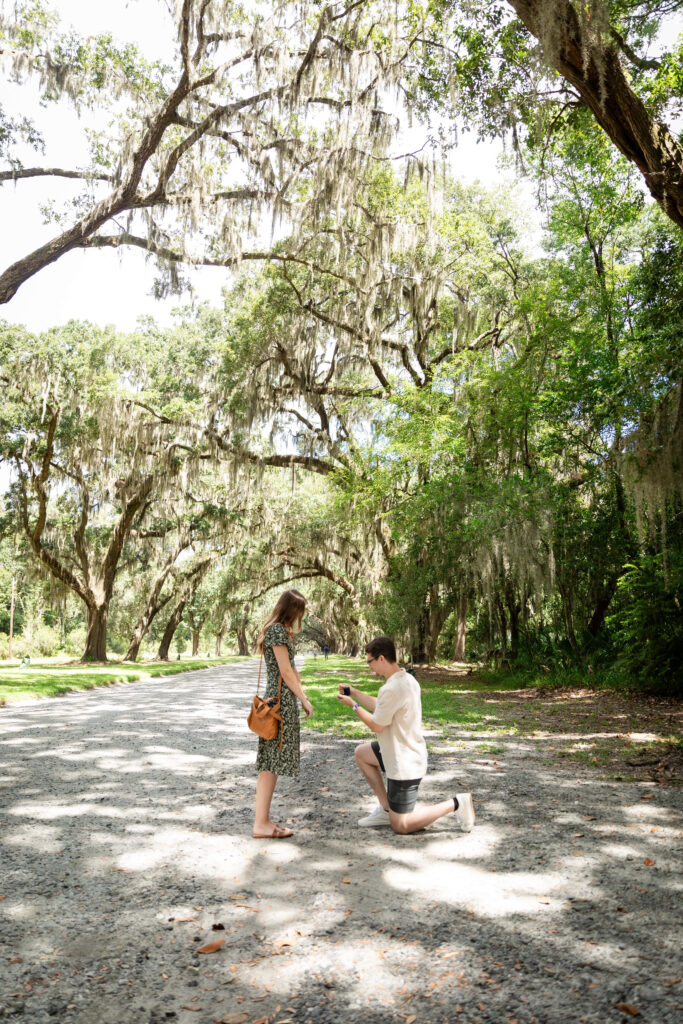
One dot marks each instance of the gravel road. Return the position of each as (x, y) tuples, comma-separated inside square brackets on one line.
[(125, 847)]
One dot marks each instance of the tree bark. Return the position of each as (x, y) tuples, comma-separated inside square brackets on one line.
[(419, 645), (96, 640), (461, 634), (242, 644), (595, 71), (171, 627), (219, 640), (195, 643)]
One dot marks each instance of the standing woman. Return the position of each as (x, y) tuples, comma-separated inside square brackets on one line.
[(276, 644)]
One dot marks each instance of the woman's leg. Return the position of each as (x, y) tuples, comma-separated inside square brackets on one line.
[(265, 787)]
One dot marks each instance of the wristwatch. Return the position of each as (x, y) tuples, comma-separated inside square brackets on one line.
[(356, 706)]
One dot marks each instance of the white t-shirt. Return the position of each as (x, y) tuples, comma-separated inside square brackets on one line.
[(399, 709)]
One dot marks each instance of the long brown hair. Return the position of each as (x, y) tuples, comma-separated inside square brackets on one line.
[(288, 611)]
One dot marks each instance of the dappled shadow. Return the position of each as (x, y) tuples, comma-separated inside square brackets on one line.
[(126, 837)]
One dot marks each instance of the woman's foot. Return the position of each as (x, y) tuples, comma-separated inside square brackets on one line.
[(272, 831)]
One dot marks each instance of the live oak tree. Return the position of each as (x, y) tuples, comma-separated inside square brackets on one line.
[(87, 465), (523, 68), (264, 113)]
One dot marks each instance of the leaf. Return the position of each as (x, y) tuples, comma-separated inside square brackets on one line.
[(646, 796), (627, 1008), (260, 1020), (192, 1009), (233, 1018), (212, 947), (648, 862), (346, 881), (411, 1019)]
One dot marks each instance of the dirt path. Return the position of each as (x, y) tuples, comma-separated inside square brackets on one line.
[(125, 817)]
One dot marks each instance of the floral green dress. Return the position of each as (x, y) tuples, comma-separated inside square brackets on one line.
[(270, 758)]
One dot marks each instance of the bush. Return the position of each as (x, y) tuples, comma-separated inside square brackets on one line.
[(649, 624), (19, 646), (46, 641), (75, 641)]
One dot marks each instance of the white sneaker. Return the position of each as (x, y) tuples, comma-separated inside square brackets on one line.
[(465, 811), (377, 819)]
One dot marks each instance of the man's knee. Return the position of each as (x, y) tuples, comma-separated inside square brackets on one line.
[(361, 754), (399, 824)]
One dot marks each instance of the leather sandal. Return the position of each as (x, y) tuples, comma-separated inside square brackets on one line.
[(278, 832)]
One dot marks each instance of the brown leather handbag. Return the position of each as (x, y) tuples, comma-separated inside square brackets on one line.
[(264, 716)]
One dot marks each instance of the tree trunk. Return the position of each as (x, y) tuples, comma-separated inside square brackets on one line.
[(568, 617), (460, 636), (242, 645), (601, 606), (96, 640), (503, 624), (420, 639), (514, 608), (195, 643), (171, 627), (592, 65), (219, 640)]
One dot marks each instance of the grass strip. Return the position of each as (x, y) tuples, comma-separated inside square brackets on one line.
[(36, 681)]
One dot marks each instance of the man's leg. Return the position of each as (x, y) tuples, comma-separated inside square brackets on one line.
[(369, 766), (413, 821)]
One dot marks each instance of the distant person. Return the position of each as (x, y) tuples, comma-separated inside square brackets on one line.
[(326, 650), (400, 750), (276, 644)]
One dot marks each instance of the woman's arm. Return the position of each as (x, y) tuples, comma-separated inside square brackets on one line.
[(290, 676)]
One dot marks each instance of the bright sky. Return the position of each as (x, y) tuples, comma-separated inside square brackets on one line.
[(103, 286)]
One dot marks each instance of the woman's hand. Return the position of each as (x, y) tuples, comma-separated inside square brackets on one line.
[(308, 707)]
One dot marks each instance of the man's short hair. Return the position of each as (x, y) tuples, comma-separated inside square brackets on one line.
[(382, 645)]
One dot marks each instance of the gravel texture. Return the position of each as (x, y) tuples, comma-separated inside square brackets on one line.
[(125, 818)]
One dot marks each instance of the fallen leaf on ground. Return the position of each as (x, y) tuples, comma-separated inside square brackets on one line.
[(346, 881), (260, 1020), (671, 981), (627, 1008), (192, 1009), (411, 1019), (647, 796), (233, 1018), (578, 835), (181, 920), (543, 899), (212, 947), (648, 862)]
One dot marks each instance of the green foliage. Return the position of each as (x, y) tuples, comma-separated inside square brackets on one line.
[(649, 623)]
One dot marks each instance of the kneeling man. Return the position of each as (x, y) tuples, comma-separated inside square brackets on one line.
[(400, 751)]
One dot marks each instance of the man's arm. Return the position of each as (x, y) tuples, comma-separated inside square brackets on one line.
[(354, 702), (359, 697)]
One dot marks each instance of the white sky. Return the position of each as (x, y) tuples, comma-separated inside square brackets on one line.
[(106, 287)]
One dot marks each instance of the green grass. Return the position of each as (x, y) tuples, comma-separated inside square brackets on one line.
[(50, 680), (442, 703)]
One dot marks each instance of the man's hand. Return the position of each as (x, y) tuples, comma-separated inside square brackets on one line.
[(308, 707), (341, 696)]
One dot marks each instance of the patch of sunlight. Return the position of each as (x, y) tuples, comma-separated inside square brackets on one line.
[(647, 810), (620, 852), (46, 812), (434, 873), (38, 838)]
